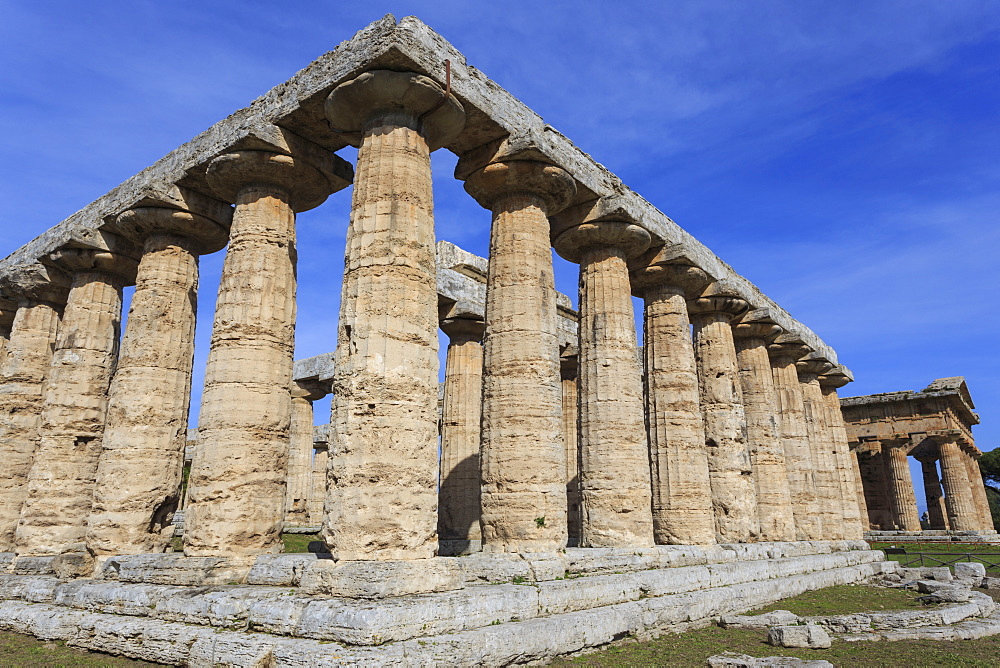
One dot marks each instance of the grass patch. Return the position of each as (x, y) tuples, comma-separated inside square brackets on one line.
[(19, 650), (972, 549), (844, 600), (297, 543)]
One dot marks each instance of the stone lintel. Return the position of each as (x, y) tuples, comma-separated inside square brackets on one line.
[(319, 368)]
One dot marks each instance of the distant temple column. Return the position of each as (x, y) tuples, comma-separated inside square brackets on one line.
[(22, 385), (932, 493), (524, 458), (785, 352), (236, 504), (138, 480), (978, 490), (734, 494), (458, 504), (569, 370), (774, 503), (902, 500), (958, 500), (319, 486), (614, 456), (61, 481), (300, 452), (682, 492), (825, 475), (385, 388), (863, 503), (855, 520)]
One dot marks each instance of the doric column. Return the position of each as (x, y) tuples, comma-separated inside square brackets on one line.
[(978, 490), (237, 482), (61, 481), (22, 385), (958, 499), (458, 505), (614, 455), (774, 502), (318, 489), (852, 499), (932, 493), (682, 493), (865, 515), (902, 500), (300, 452), (569, 372), (139, 471), (825, 475), (734, 494), (524, 458), (784, 352), (386, 383)]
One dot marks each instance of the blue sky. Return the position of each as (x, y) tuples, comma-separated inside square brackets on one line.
[(843, 156)]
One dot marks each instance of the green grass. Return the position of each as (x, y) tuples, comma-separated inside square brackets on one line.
[(298, 542), (694, 647), (19, 650), (949, 548), (844, 600)]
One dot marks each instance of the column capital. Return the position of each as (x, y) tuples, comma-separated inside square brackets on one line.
[(465, 329), (813, 364), (788, 346), (768, 331), (835, 378), (35, 282), (399, 98), (77, 260), (550, 184), (690, 280), (140, 223), (304, 183), (723, 304), (630, 239), (308, 389)]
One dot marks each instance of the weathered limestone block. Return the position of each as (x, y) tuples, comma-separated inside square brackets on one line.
[(784, 352), (764, 621), (385, 387), (614, 455), (569, 373), (237, 483), (300, 452), (682, 496), (812, 636), (737, 660), (138, 479), (734, 496), (902, 500), (774, 502), (22, 383), (176, 569), (458, 504), (972, 572), (855, 518), (825, 475), (61, 481), (382, 579), (958, 499), (523, 455)]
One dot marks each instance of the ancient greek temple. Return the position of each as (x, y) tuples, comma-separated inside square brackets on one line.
[(933, 426), (597, 489)]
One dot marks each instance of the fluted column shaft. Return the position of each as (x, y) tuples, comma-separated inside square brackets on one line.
[(682, 493), (320, 484), (570, 422), (936, 515), (22, 385), (902, 500), (958, 499), (825, 476), (61, 481), (979, 492), (774, 502), (847, 476), (139, 472), (523, 455), (458, 506), (237, 482), (859, 491), (795, 442), (734, 495), (300, 455)]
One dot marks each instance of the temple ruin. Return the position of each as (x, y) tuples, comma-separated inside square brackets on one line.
[(934, 426), (597, 491)]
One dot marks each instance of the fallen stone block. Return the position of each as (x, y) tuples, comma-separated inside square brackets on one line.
[(382, 579), (991, 583), (973, 572), (941, 573), (735, 660), (811, 636), (765, 621), (933, 586)]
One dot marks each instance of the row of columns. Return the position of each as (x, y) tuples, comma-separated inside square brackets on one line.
[(740, 442), (888, 486)]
